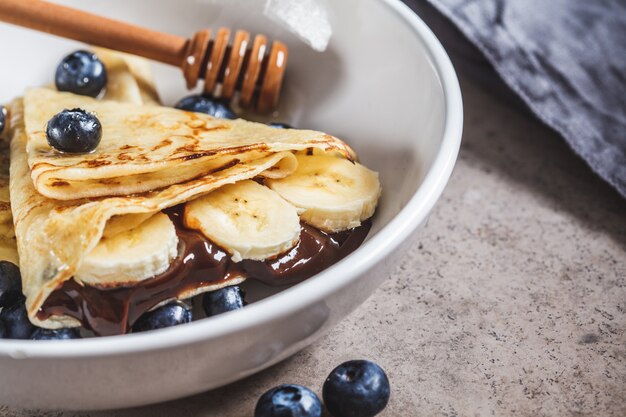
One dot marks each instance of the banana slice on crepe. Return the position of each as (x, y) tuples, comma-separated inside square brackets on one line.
[(246, 219), (133, 255), (332, 193)]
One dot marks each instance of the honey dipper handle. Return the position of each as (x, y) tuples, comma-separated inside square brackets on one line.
[(95, 30)]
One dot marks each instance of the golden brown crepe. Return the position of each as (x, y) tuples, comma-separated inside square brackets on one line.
[(150, 158), (145, 148), (130, 80), (8, 244), (53, 236)]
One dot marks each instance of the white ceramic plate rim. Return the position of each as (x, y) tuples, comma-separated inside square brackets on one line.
[(317, 288)]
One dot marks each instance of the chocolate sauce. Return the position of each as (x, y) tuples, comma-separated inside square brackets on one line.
[(113, 310)]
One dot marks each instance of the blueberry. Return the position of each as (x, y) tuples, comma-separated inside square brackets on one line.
[(223, 300), (208, 105), (278, 125), (74, 131), (288, 400), (165, 316), (10, 284), (81, 72), (58, 334), (356, 389), (16, 323), (3, 117)]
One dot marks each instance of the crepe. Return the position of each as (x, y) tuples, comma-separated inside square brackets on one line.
[(145, 148), (150, 158), (130, 80), (53, 235), (8, 244)]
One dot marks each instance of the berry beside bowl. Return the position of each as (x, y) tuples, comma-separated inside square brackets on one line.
[(288, 400), (404, 119), (356, 388)]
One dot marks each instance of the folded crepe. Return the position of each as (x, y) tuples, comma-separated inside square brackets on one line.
[(150, 158), (129, 80), (144, 148), (8, 244)]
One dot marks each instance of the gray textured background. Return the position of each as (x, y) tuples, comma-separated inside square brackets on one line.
[(512, 299), (566, 60)]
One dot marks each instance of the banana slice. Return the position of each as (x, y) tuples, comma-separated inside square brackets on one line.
[(133, 255), (332, 193), (246, 219)]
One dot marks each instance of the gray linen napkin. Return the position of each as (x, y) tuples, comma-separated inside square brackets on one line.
[(566, 59)]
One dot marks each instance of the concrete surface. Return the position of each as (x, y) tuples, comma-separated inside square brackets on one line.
[(512, 300)]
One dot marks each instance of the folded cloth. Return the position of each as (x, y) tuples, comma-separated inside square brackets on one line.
[(566, 60)]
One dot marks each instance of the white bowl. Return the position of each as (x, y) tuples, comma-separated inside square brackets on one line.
[(385, 85)]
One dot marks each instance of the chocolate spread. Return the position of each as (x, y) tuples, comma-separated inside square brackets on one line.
[(113, 310)]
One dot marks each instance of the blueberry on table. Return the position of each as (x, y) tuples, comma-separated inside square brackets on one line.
[(10, 284), (288, 400), (57, 334), (81, 72), (356, 389), (74, 131), (16, 323), (203, 104), (278, 125), (223, 300), (165, 316), (3, 117)]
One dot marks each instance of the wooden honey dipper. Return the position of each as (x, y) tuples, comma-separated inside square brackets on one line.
[(255, 71)]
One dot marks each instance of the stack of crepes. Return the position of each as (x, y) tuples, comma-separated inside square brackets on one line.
[(150, 158)]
